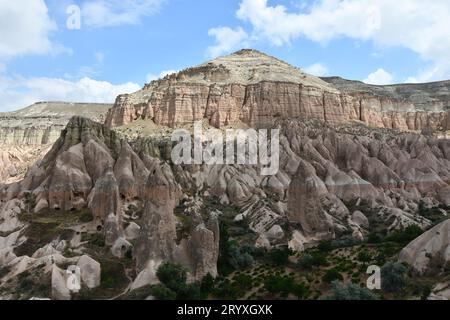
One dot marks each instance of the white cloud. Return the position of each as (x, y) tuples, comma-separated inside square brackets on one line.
[(380, 77), (317, 69), (151, 77), (17, 92), (227, 40), (103, 13), (25, 28), (427, 75), (421, 26)]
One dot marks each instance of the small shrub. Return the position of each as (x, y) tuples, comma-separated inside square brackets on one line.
[(306, 262), (325, 246), (300, 291), (280, 257), (173, 276), (189, 292), (373, 238), (244, 282), (393, 277), (98, 240), (86, 217), (239, 258), (364, 256), (332, 275), (405, 236), (350, 291), (207, 284), (226, 291), (161, 292), (277, 284)]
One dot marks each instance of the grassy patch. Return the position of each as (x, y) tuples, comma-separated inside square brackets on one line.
[(48, 225), (113, 281)]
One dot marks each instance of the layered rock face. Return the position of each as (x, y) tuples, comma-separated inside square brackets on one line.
[(27, 134), (256, 89), (403, 107), (240, 87), (42, 123)]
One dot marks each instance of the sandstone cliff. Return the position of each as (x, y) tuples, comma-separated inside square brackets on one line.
[(255, 89), (27, 134), (41, 123)]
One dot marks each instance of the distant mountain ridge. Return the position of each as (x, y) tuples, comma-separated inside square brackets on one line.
[(253, 88), (27, 134), (42, 122)]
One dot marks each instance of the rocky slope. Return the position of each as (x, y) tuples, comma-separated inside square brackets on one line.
[(90, 167), (333, 183), (255, 89)]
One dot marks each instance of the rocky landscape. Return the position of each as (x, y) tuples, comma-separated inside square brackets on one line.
[(26, 135), (257, 89), (364, 179)]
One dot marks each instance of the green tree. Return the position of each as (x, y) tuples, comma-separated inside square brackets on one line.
[(332, 275), (238, 257), (207, 284), (325, 246), (300, 291), (189, 291), (315, 259), (373, 238), (405, 236), (226, 291), (306, 262), (161, 292), (244, 281), (277, 284), (280, 257), (393, 277), (364, 256), (173, 276), (350, 291)]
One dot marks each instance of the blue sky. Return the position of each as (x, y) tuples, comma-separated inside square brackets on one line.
[(120, 45)]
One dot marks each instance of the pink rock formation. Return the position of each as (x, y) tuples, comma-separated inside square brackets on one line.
[(256, 89)]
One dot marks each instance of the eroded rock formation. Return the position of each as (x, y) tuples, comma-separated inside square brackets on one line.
[(344, 172), (430, 253), (255, 89)]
